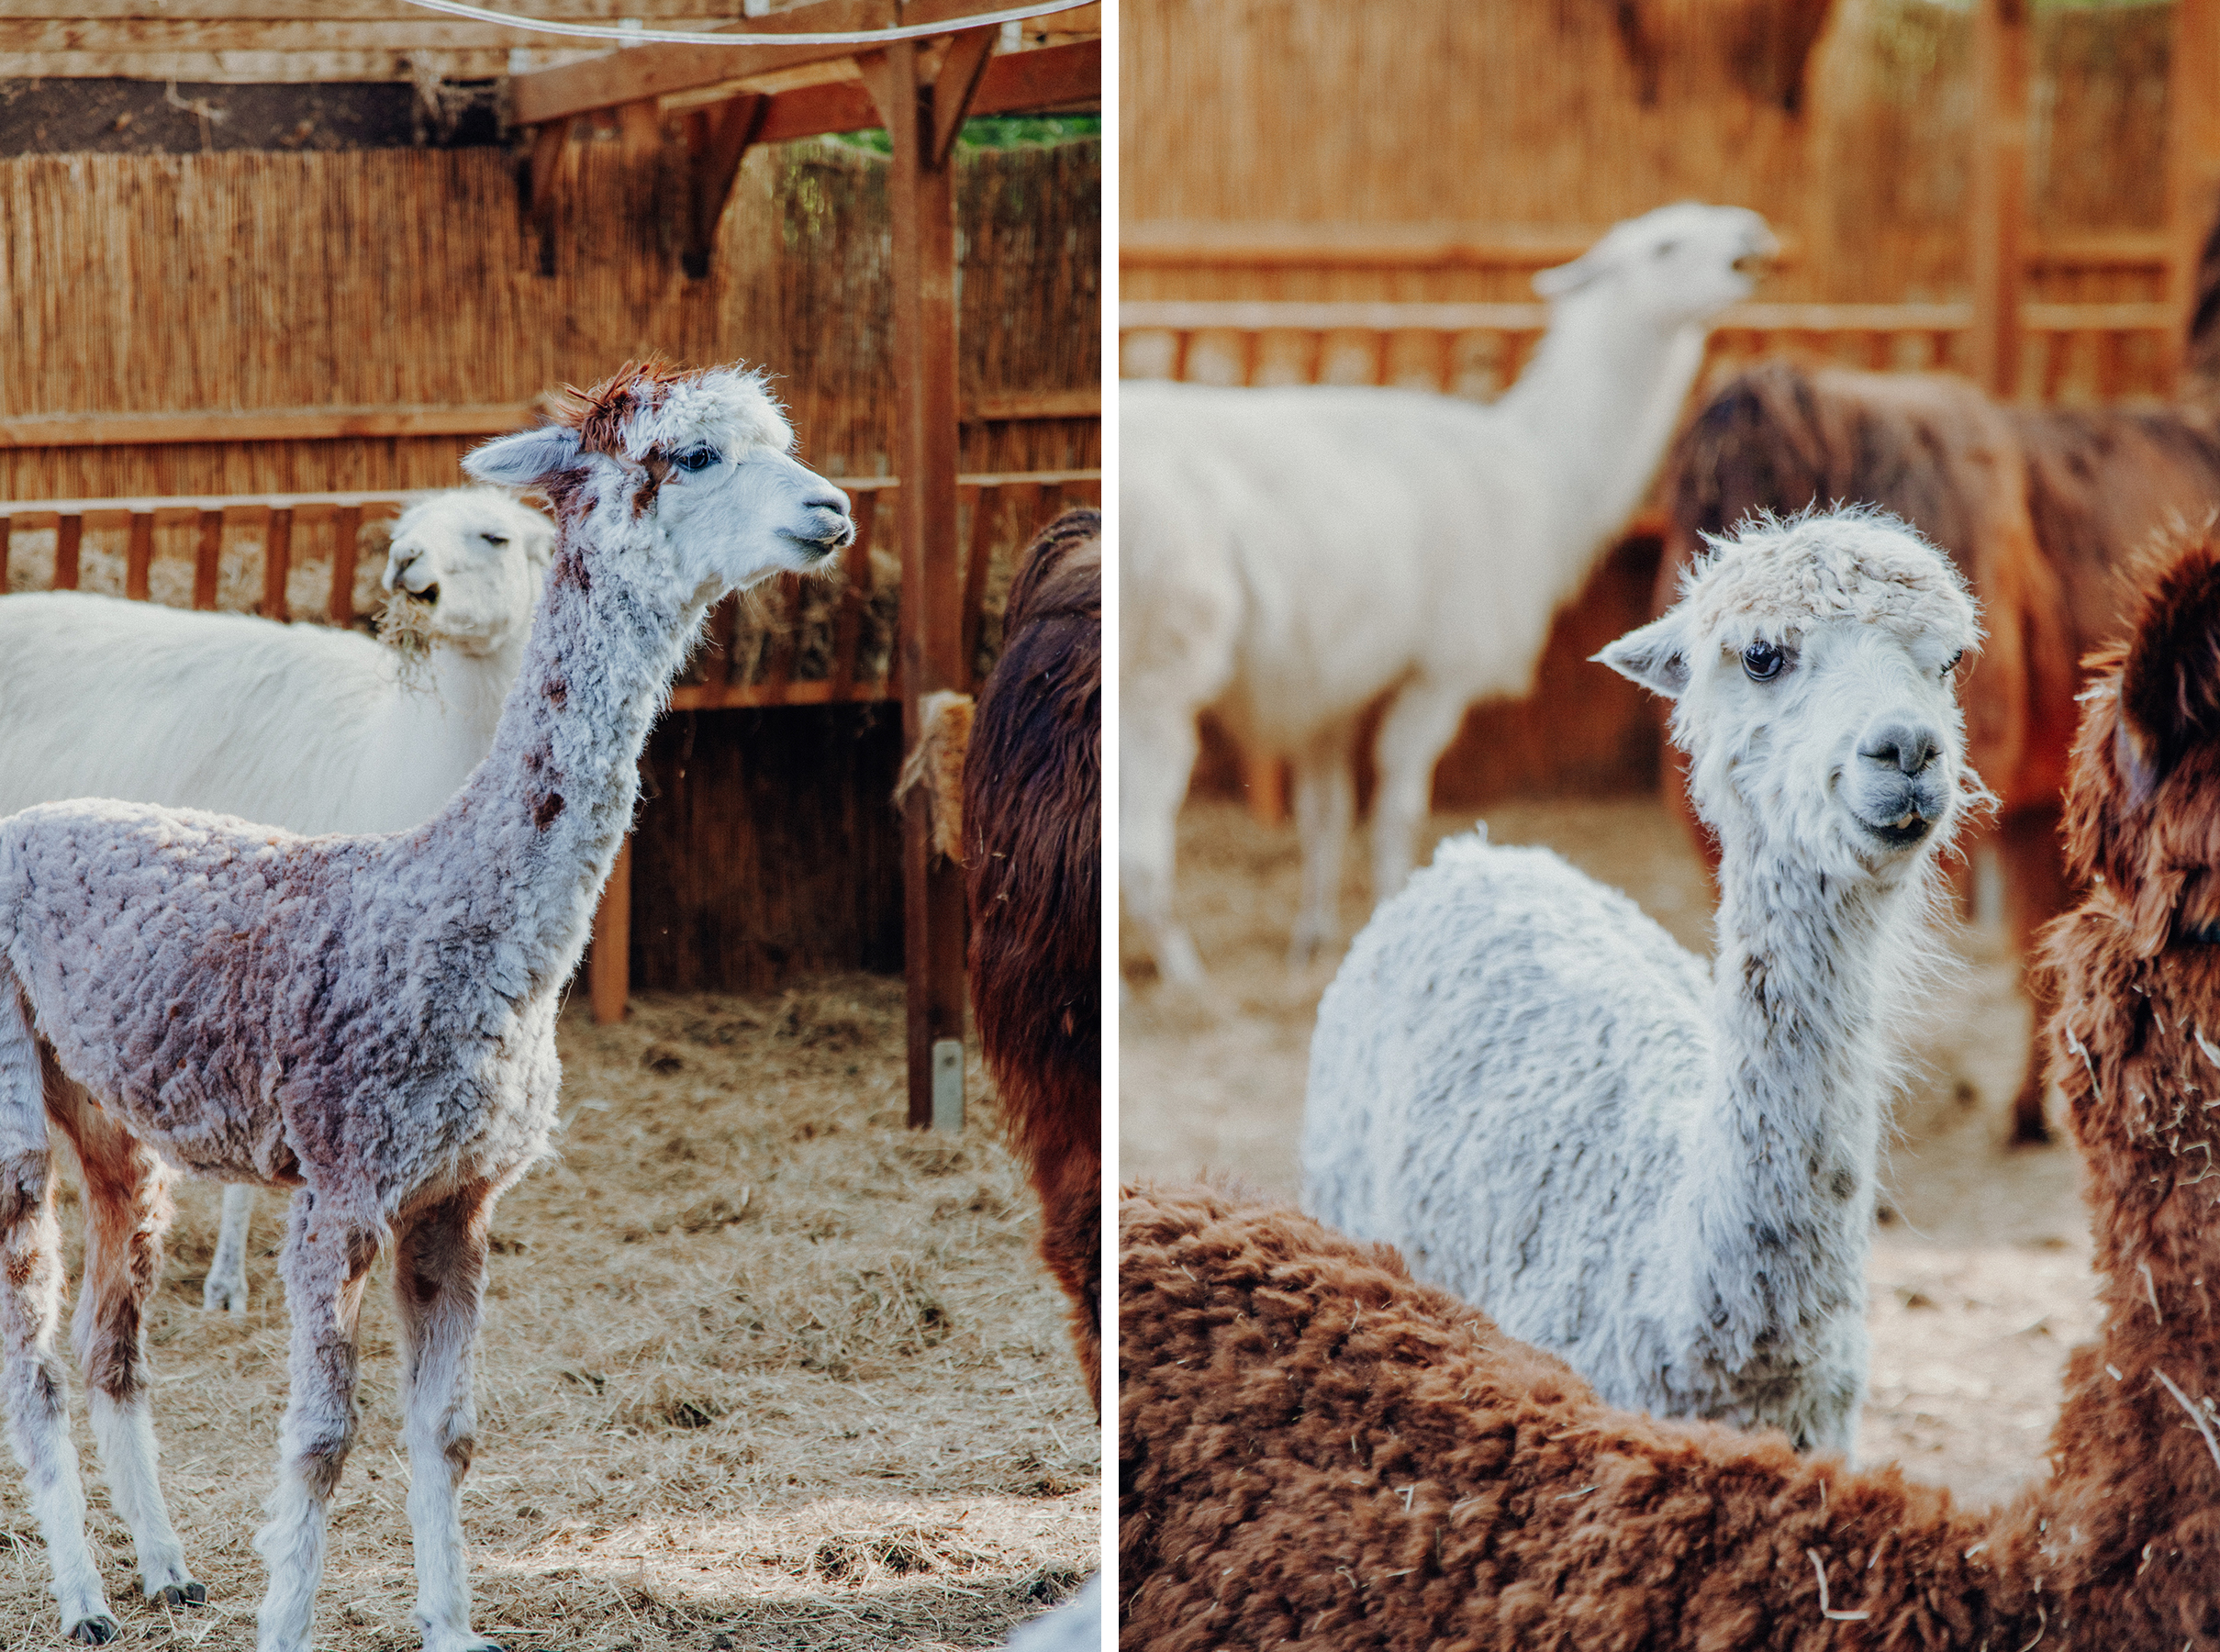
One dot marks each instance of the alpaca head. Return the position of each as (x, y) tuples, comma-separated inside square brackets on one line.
[(1678, 265), (474, 557), (1812, 666), (2143, 802), (681, 482)]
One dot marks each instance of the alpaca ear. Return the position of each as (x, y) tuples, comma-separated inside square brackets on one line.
[(2169, 682), (522, 459), (1656, 656), (1567, 277)]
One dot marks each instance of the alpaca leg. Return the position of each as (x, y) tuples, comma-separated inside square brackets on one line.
[(32, 1377), (2035, 892), (226, 1286), (327, 1257), (1325, 804), (438, 1284), (1412, 736), (128, 1209), (1159, 746)]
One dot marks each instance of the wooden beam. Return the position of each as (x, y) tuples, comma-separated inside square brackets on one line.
[(1998, 218), (1049, 77), (550, 149), (954, 86), (608, 966), (2193, 166), (657, 14), (274, 424), (930, 626), (717, 142), (654, 70), (208, 559), (427, 32)]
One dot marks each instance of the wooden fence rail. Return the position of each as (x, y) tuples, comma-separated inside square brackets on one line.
[(1481, 348)]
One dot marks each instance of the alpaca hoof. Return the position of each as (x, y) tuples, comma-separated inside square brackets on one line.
[(185, 1594), (95, 1631), (224, 1295)]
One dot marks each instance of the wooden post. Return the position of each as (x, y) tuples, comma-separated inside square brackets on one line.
[(69, 532), (1264, 779), (2193, 166), (208, 559), (922, 188), (1998, 220), (139, 558), (346, 533), (608, 966), (277, 562)]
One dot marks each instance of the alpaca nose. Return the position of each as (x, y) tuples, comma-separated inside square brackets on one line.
[(1904, 746)]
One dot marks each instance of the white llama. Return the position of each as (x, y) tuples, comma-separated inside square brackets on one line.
[(367, 1020), (299, 726), (1661, 1173), (1289, 556)]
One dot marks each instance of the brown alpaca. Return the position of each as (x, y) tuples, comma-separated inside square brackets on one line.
[(1033, 829), (1315, 1449), (2042, 509)]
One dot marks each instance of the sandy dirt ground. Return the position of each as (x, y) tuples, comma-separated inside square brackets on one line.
[(761, 1367), (1981, 1278)]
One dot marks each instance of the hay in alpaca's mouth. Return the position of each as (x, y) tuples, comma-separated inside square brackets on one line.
[(404, 626)]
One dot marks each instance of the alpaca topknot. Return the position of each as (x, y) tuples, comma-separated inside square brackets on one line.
[(1775, 577), (651, 405)]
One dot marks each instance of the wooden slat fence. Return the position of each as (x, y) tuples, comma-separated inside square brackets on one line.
[(2104, 351)]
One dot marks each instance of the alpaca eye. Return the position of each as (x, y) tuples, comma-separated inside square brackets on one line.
[(696, 459), (1666, 249), (1951, 665), (495, 540), (1761, 662)]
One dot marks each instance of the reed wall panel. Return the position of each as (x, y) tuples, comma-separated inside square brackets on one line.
[(248, 280), (1550, 112)]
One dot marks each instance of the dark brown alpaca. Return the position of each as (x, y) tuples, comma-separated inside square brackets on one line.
[(1032, 838), (2040, 507), (1316, 1450)]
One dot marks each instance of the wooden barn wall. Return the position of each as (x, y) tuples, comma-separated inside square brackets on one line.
[(767, 847), (246, 281), (1558, 112)]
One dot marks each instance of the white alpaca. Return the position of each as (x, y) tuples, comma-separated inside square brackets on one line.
[(367, 1020), (1661, 1173), (303, 727), (1288, 556)]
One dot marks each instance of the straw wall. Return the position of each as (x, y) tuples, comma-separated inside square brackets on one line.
[(158, 283), (1554, 112)]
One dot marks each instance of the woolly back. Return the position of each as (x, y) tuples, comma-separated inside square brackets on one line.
[(1032, 778), (2143, 800)]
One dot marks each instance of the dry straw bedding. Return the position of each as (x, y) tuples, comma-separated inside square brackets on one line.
[(761, 1367)]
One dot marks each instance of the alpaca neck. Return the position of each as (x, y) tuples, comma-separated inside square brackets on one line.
[(465, 692), (538, 825), (1599, 400), (1782, 1171)]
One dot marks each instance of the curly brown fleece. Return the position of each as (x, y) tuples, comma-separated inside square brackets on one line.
[(1315, 1450)]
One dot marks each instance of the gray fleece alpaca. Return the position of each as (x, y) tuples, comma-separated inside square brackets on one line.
[(1661, 1173), (367, 1020)]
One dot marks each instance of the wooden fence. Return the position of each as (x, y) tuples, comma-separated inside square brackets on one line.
[(793, 642)]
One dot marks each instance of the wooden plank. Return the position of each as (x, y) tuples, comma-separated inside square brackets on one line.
[(738, 697), (1997, 223), (923, 198), (346, 532), (609, 964), (139, 557), (7, 529), (785, 601), (2192, 167), (274, 424), (1012, 405), (68, 533), (208, 559), (277, 564), (655, 71), (236, 68)]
